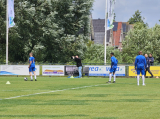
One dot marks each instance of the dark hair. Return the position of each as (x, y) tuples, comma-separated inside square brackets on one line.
[(31, 53), (140, 52), (112, 53)]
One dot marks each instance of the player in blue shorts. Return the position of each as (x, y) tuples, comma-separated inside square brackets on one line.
[(140, 66), (32, 66), (113, 68)]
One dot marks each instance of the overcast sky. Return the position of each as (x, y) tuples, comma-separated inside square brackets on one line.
[(124, 10)]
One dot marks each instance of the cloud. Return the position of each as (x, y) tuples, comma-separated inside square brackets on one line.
[(124, 10)]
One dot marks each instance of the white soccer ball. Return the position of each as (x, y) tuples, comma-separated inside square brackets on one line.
[(25, 79)]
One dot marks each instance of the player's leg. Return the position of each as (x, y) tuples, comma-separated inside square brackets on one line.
[(150, 72), (114, 78), (143, 78), (34, 71), (110, 75), (146, 71), (30, 73), (114, 75), (138, 73), (80, 72)]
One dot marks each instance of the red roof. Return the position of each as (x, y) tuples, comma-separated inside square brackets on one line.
[(117, 34)]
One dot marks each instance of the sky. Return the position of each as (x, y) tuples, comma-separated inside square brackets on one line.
[(125, 9)]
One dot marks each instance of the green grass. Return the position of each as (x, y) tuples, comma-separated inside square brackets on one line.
[(123, 100)]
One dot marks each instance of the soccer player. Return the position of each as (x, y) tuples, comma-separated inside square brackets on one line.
[(140, 66), (148, 66), (32, 66), (114, 63), (79, 65)]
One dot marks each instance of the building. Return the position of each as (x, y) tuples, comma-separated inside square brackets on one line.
[(115, 36)]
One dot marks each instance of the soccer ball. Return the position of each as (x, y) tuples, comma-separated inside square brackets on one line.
[(25, 79)]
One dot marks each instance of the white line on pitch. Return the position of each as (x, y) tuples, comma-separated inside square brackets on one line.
[(52, 91)]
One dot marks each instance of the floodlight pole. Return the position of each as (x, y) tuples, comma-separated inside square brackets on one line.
[(105, 34), (7, 32)]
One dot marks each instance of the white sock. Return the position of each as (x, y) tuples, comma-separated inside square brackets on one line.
[(138, 80), (143, 79), (31, 78), (114, 77), (110, 76), (35, 76)]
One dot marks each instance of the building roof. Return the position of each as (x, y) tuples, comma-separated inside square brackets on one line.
[(99, 25), (117, 34), (124, 25), (115, 26), (99, 31)]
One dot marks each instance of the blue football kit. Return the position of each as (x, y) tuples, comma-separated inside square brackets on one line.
[(32, 66), (114, 63), (140, 64)]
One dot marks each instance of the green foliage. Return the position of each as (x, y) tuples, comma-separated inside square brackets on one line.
[(53, 30), (2, 30), (95, 53), (137, 18), (144, 39)]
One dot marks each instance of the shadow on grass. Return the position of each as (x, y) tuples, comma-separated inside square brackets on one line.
[(95, 95), (45, 116), (105, 118)]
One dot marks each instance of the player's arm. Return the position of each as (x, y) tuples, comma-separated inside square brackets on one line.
[(152, 60), (145, 62), (30, 62), (73, 57), (112, 62), (135, 63)]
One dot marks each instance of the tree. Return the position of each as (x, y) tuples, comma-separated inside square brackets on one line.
[(73, 21), (52, 29), (2, 30), (144, 39), (95, 53), (137, 18)]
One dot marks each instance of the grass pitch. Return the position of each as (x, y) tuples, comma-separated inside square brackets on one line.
[(85, 98)]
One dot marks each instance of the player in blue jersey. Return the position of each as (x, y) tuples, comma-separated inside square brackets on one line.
[(140, 66), (113, 68), (32, 66)]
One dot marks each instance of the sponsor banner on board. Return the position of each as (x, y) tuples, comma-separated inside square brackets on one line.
[(104, 70), (16, 70), (56, 70), (154, 69)]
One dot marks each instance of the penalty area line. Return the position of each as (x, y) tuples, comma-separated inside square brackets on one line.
[(54, 91)]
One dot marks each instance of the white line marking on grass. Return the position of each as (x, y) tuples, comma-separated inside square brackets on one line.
[(52, 91)]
